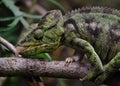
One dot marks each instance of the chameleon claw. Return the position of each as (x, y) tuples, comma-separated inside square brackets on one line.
[(84, 78), (69, 60)]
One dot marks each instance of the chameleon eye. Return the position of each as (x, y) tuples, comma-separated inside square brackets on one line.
[(38, 34)]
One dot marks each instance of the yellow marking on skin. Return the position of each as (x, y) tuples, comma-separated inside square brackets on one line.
[(32, 46), (45, 44)]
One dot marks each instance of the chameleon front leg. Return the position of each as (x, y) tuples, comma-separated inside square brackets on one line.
[(109, 69), (94, 59)]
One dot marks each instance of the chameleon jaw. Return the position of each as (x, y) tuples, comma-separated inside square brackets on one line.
[(21, 49), (24, 48), (32, 50)]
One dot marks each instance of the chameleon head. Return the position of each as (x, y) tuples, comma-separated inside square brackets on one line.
[(45, 36)]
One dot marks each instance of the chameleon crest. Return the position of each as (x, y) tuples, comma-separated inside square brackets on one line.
[(94, 32)]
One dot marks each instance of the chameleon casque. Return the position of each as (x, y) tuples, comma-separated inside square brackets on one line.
[(94, 31)]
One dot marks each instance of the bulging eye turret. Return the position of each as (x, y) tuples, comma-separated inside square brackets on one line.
[(38, 34)]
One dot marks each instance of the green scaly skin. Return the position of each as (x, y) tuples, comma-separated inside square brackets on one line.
[(94, 32)]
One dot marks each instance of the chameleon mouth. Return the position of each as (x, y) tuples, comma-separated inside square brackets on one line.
[(20, 49), (38, 46), (23, 48), (30, 47)]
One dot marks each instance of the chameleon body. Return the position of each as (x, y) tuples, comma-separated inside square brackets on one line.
[(94, 31)]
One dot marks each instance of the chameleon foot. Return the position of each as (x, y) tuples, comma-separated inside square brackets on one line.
[(101, 78), (89, 76), (83, 79), (72, 59), (69, 60)]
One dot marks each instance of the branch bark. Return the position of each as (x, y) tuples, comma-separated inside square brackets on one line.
[(28, 67)]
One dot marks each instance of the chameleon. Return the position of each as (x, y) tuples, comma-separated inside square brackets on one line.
[(91, 31)]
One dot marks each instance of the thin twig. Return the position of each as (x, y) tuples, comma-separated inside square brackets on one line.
[(8, 45)]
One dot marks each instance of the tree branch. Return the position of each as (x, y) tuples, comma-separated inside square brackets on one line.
[(12, 66), (28, 67)]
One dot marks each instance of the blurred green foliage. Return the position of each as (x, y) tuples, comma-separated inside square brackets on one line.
[(57, 4), (14, 18), (11, 23)]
